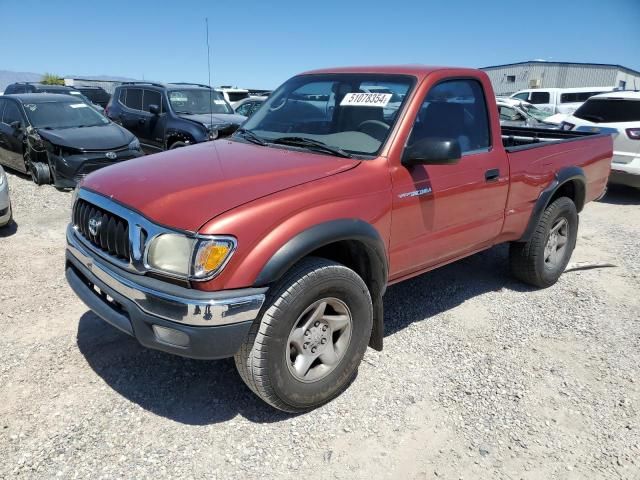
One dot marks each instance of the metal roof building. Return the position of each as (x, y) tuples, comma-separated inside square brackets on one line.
[(509, 78)]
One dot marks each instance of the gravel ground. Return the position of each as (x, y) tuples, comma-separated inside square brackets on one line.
[(481, 377)]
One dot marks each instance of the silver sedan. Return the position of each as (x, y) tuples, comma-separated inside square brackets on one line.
[(5, 203)]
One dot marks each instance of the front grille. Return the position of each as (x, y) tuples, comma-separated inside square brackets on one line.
[(112, 236)]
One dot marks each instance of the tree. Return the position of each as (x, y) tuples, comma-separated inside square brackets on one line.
[(52, 79)]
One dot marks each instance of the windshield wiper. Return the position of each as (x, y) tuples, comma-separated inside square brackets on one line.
[(250, 136), (184, 112), (311, 144)]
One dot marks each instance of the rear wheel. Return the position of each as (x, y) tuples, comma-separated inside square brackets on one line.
[(306, 346), (177, 145), (542, 259)]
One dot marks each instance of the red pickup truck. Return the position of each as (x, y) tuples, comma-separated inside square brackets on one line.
[(276, 245)]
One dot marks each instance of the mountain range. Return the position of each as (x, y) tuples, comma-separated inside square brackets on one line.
[(8, 77)]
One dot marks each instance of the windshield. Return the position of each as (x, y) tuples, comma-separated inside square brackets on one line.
[(195, 101), (63, 115), (350, 112), (535, 112)]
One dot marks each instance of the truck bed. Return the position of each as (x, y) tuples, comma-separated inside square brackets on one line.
[(521, 138)]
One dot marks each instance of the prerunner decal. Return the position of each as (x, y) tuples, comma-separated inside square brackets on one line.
[(365, 99)]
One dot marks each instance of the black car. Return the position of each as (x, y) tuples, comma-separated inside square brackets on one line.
[(58, 139), (166, 116), (97, 95)]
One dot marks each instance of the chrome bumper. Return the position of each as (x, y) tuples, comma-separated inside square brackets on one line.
[(170, 302)]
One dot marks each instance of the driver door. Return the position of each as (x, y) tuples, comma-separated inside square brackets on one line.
[(444, 212), (10, 137)]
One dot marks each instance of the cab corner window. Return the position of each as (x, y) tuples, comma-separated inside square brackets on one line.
[(454, 110)]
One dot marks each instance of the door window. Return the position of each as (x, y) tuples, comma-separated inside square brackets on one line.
[(151, 97), (134, 98), (454, 109), (539, 97), (11, 113), (524, 96)]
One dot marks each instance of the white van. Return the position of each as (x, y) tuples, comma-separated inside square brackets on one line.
[(233, 94), (559, 100)]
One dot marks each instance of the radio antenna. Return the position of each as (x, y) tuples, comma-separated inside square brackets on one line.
[(206, 20)]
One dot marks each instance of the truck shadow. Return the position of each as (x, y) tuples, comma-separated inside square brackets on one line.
[(621, 195), (207, 392)]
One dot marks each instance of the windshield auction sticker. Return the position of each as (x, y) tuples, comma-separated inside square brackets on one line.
[(78, 105), (365, 100)]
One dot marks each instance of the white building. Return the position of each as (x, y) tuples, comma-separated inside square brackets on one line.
[(509, 78)]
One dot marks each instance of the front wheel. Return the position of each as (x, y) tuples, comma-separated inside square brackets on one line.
[(40, 173), (542, 259), (306, 347)]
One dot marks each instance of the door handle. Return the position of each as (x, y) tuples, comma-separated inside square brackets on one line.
[(492, 175)]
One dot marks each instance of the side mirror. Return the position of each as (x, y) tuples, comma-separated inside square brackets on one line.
[(432, 151), (16, 124), (155, 109)]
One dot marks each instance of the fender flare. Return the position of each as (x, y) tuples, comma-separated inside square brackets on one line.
[(319, 236), (324, 234), (565, 175)]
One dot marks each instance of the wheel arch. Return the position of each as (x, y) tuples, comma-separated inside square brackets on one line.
[(569, 182), (351, 242)]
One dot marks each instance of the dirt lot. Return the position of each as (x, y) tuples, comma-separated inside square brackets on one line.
[(481, 377)]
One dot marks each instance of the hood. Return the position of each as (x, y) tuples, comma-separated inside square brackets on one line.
[(186, 187), (101, 137), (218, 118)]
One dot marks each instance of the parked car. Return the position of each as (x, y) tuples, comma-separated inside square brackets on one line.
[(232, 94), (167, 116), (248, 106), (97, 95), (58, 139), (276, 245), (514, 112), (617, 113), (26, 87), (6, 213), (559, 100)]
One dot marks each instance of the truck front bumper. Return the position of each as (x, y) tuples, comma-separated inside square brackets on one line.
[(162, 316)]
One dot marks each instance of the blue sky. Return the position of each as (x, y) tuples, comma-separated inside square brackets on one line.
[(261, 44)]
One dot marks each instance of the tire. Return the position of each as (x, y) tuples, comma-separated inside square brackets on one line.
[(40, 173), (268, 357), (535, 262), (177, 145)]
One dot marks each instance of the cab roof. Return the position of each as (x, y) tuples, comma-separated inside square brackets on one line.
[(419, 71)]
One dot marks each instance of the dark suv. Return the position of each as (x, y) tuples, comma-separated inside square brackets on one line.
[(166, 116), (27, 87), (97, 95)]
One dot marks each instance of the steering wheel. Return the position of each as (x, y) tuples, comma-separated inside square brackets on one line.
[(374, 128), (277, 106)]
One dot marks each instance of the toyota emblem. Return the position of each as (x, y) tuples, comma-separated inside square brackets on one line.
[(111, 155), (94, 225)]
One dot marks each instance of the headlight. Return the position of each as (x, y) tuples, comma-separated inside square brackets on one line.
[(193, 258), (135, 144)]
